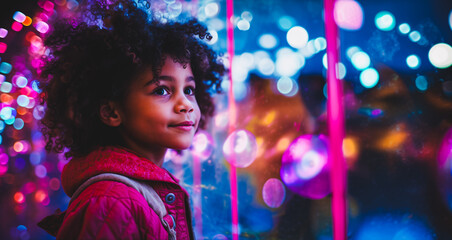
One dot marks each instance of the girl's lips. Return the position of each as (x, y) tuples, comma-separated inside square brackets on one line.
[(185, 126)]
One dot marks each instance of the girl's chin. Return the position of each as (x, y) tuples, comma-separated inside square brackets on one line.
[(181, 146)]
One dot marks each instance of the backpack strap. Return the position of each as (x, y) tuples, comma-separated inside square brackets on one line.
[(152, 198)]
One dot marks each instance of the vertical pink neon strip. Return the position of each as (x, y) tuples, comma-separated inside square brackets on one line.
[(197, 196), (232, 117), (335, 126)]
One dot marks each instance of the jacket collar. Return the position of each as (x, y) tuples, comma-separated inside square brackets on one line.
[(112, 160)]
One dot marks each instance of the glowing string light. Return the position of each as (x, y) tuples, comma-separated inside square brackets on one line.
[(19, 197), (19, 17), (3, 47), (42, 27), (27, 22), (48, 6), (5, 68), (16, 26), (3, 33), (335, 126)]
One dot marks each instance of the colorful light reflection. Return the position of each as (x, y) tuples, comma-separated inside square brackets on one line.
[(240, 148), (305, 166), (445, 152), (203, 145), (393, 226), (273, 192)]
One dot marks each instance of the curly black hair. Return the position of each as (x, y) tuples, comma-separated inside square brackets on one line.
[(93, 58)]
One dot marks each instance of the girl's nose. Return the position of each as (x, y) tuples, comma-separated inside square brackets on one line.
[(184, 105)]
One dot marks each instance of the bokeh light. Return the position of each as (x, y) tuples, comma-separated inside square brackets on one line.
[(348, 14), (421, 83), (266, 66), (350, 149), (286, 22), (414, 36), (240, 148), (23, 100), (445, 152), (20, 81), (42, 27), (48, 6), (450, 19), (72, 4), (273, 192), (351, 51), (38, 112), (288, 62), (284, 85), (3, 47), (18, 124), (393, 226), (5, 68), (320, 43), (19, 197), (413, 61), (40, 171), (7, 113), (369, 77), (28, 21), (305, 166), (6, 87), (243, 25), (16, 26), (297, 37), (19, 17), (4, 159), (40, 196), (54, 184), (268, 41), (35, 158), (21, 146), (440, 55), (203, 145), (385, 21), (247, 15), (287, 86), (212, 9), (3, 33), (174, 9), (360, 60), (404, 28)]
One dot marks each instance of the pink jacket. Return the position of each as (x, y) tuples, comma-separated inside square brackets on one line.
[(112, 210)]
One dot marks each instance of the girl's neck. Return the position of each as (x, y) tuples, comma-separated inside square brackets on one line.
[(157, 156)]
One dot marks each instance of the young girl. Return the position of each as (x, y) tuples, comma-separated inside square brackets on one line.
[(121, 89)]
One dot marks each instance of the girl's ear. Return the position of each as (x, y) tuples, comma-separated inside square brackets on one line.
[(109, 114)]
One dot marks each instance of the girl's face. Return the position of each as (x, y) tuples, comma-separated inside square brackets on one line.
[(160, 114)]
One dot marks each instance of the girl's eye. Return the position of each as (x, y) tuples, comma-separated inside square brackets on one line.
[(161, 91), (189, 91)]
